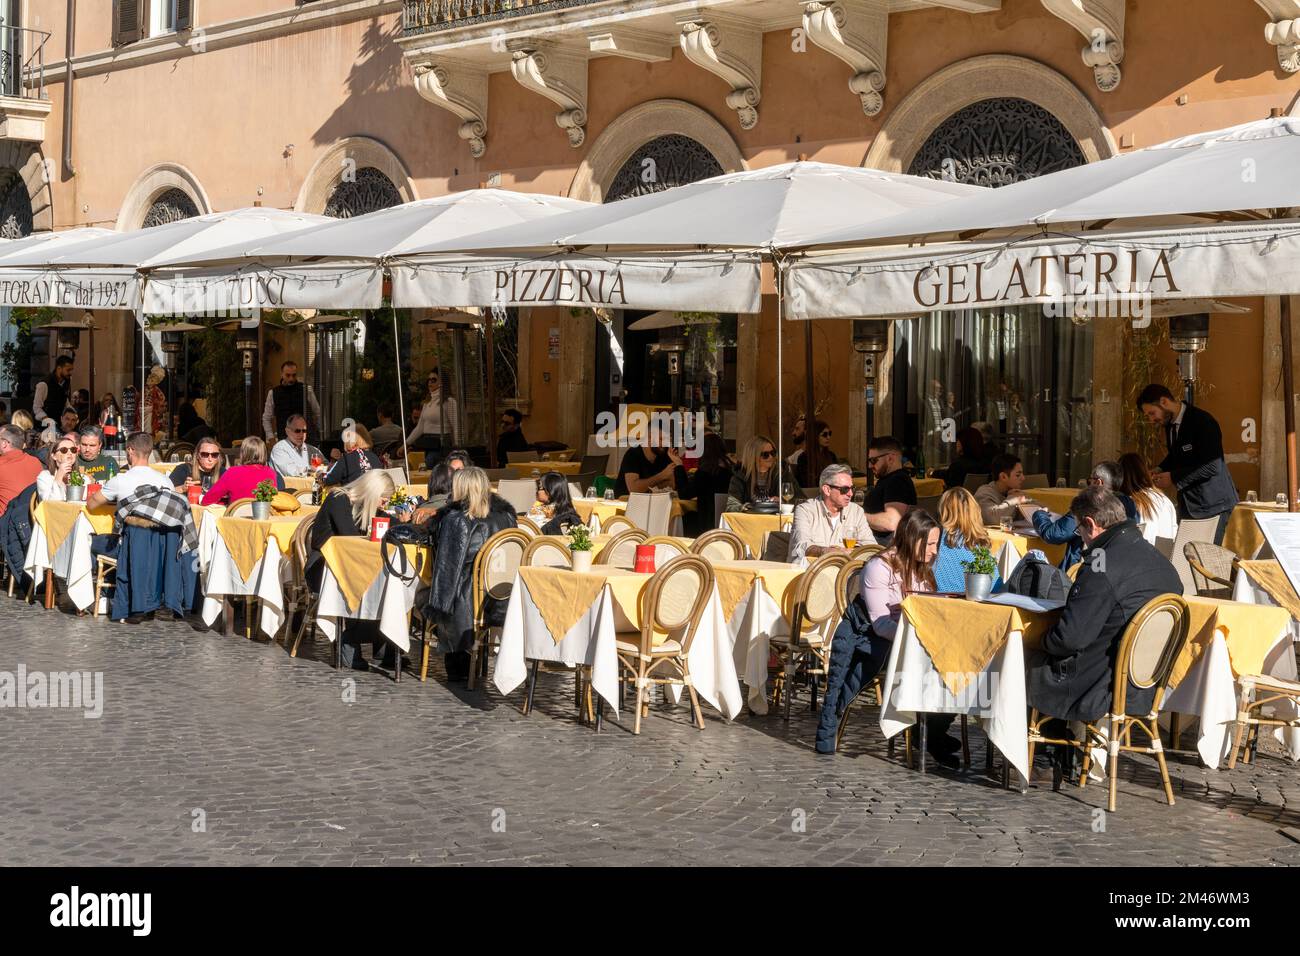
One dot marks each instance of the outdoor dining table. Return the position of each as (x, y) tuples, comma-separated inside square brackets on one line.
[(1055, 500), (574, 618), (954, 656), (752, 528), (596, 511), (237, 560), (60, 543), (526, 468), (599, 541), (1009, 547), (358, 586), (1242, 536)]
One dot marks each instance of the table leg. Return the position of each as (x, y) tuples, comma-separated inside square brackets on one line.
[(49, 588), (600, 711), (923, 733), (227, 616)]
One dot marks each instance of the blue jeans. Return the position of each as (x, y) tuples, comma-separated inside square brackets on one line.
[(855, 659)]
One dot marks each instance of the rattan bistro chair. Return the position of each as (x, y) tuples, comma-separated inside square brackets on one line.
[(544, 552), (666, 548), (1147, 651), (671, 607), (811, 614), (719, 545), (297, 594), (527, 525), (617, 524), (242, 508), (620, 551), (1258, 691), (865, 552), (1213, 568), (495, 567)]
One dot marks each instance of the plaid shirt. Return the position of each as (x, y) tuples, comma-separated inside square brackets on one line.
[(162, 506)]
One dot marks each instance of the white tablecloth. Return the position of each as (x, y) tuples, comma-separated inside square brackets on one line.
[(72, 563), (756, 620), (591, 642), (388, 600), (221, 579)]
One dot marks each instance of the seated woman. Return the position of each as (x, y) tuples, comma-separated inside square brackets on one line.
[(205, 466), (357, 458), (473, 516), (239, 482), (1157, 515), (553, 495), (347, 511), (969, 460), (963, 530), (712, 477), (862, 641), (758, 478), (808, 468), (52, 483)]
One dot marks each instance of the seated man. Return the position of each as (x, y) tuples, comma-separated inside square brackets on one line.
[(651, 466), (1065, 530), (512, 436), (91, 461), (1071, 677), (1001, 497), (892, 494), (292, 455), (822, 524), (18, 470), (385, 433)]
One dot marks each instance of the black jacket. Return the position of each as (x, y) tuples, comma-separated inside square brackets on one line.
[(451, 594), (1195, 462), (556, 525), (348, 468), (1075, 681)]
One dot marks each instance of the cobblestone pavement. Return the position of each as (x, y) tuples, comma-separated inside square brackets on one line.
[(267, 755)]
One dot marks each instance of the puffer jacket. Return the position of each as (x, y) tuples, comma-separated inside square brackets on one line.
[(451, 594), (16, 532)]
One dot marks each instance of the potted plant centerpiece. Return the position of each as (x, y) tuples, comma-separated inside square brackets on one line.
[(580, 547), (76, 486), (263, 495), (979, 573)]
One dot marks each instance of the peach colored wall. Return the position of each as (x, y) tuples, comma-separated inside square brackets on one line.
[(542, 422)]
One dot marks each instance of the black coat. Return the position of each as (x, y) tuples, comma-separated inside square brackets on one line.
[(1076, 679), (348, 468), (451, 592), (1195, 462)]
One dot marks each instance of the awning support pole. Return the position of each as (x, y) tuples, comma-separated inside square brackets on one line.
[(1288, 402)]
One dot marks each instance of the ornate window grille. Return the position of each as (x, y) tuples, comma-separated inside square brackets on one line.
[(172, 206), (369, 191), (662, 163)]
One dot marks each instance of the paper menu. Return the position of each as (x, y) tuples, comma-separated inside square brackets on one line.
[(1282, 532)]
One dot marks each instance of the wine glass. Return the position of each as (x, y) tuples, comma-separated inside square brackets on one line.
[(787, 492)]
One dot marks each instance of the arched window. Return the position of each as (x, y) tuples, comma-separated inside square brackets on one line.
[(663, 163), (172, 206), (369, 191), (15, 208)]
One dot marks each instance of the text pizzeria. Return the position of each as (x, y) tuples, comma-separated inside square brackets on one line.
[(561, 284)]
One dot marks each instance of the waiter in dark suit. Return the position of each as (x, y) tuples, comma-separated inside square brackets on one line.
[(1194, 464)]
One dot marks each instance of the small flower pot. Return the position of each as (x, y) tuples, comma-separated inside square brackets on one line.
[(581, 560), (261, 510), (76, 492), (978, 586)]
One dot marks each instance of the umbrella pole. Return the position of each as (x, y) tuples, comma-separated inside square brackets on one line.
[(401, 398), (809, 435), (780, 369), (488, 347), (1288, 401)]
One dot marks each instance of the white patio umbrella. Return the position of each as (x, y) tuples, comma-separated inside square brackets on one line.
[(1196, 217), (24, 289), (692, 247)]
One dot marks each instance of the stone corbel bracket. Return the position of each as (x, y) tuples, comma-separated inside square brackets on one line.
[(855, 31), (1102, 24), (461, 90), (731, 50), (559, 76), (1284, 31)]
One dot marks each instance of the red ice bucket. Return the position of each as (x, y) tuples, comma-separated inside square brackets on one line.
[(645, 559)]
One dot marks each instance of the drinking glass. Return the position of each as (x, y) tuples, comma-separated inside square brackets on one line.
[(787, 492), (609, 494), (1060, 482), (591, 491), (1252, 496), (1280, 500), (1005, 524)]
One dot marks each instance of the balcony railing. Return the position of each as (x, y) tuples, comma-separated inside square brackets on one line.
[(22, 62), (428, 16)]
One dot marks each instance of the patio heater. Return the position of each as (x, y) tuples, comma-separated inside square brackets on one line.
[(1188, 337), (870, 340), (246, 343), (172, 343)]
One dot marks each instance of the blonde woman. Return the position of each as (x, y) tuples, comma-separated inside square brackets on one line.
[(962, 526), (473, 515), (758, 478)]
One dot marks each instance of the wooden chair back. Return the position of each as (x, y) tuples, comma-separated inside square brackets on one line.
[(1149, 647), (520, 492), (617, 524), (666, 548), (815, 601), (620, 552), (719, 545), (674, 600), (527, 525), (243, 508), (848, 584), (496, 565), (545, 552)]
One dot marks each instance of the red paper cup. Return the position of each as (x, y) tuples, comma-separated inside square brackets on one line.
[(91, 489), (645, 559), (194, 493), (378, 528)]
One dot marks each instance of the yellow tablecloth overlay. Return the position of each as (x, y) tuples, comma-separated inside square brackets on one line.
[(1250, 630), (1270, 576), (962, 637), (1022, 544), (58, 517), (525, 468), (1242, 535), (1057, 500), (751, 528), (928, 487), (356, 563), (735, 579), (563, 596)]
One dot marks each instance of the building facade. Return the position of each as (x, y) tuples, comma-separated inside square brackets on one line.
[(156, 109)]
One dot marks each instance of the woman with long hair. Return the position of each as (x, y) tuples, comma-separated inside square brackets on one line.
[(473, 516), (758, 478), (553, 495), (962, 528), (205, 466), (52, 483), (809, 468), (437, 427), (712, 477), (970, 458), (1157, 514), (240, 481), (357, 459), (347, 512)]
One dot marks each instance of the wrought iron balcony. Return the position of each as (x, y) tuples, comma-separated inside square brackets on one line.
[(430, 16)]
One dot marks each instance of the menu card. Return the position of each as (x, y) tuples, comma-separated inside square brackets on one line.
[(1282, 532)]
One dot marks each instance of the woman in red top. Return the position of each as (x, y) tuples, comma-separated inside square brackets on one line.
[(238, 482)]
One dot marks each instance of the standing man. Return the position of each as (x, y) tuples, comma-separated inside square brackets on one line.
[(290, 397), (1194, 464), (512, 436), (893, 494), (292, 456), (54, 392), (821, 524)]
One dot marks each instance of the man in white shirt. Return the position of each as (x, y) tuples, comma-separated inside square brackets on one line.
[(139, 475), (822, 524), (292, 456)]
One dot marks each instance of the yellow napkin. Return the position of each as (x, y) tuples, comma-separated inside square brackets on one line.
[(57, 518), (1242, 535), (961, 637), (355, 564), (284, 503), (1270, 576), (245, 540), (751, 528), (561, 596), (1250, 631)]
